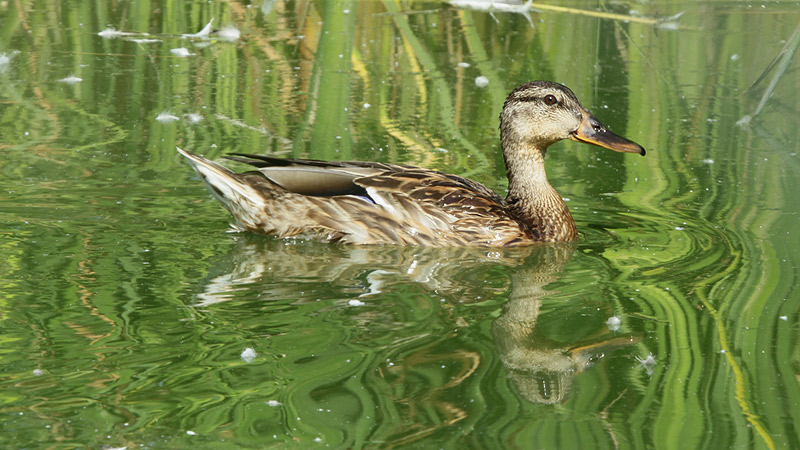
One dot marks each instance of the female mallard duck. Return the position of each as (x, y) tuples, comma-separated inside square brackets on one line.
[(375, 203)]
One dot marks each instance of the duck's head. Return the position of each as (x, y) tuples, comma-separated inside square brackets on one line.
[(540, 113)]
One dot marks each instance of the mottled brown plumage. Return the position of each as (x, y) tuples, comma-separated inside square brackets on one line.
[(375, 203)]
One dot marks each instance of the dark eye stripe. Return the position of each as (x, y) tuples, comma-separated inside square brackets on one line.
[(530, 98)]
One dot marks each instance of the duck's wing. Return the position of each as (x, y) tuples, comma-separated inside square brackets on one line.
[(363, 178), (361, 203), (313, 177), (444, 210), (272, 161), (438, 189)]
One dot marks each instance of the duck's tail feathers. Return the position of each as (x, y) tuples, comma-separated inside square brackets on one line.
[(229, 188)]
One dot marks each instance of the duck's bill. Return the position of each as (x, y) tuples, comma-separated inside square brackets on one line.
[(593, 132)]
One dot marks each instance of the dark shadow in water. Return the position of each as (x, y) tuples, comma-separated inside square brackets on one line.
[(541, 369)]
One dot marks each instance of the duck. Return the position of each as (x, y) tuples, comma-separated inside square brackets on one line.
[(368, 203)]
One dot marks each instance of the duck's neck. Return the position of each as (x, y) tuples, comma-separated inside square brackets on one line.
[(530, 196)]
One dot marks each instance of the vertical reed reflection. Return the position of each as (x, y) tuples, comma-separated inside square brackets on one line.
[(106, 236)]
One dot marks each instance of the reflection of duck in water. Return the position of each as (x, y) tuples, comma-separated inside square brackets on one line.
[(375, 203), (276, 266), (541, 370)]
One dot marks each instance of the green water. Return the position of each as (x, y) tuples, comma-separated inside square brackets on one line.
[(126, 308)]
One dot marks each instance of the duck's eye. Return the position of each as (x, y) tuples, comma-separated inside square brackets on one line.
[(550, 99)]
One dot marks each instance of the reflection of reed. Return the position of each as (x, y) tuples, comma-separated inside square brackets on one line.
[(708, 207)]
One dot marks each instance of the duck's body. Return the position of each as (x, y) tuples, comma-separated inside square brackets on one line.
[(375, 203)]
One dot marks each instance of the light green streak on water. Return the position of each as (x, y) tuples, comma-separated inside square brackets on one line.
[(110, 242)]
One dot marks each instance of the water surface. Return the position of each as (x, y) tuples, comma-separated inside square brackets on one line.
[(127, 310)]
